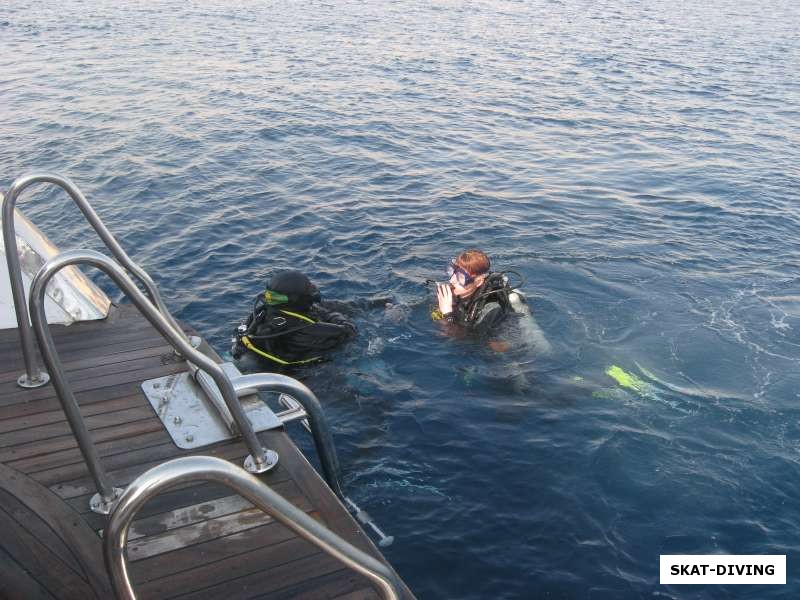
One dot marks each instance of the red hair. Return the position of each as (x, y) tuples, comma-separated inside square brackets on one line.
[(475, 262)]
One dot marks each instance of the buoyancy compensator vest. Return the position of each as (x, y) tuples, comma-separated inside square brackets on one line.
[(288, 326), (495, 289)]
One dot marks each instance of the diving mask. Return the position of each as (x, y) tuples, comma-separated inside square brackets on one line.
[(461, 275)]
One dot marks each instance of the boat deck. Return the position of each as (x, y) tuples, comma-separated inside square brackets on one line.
[(197, 541)]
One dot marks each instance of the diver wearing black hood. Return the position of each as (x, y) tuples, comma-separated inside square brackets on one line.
[(289, 324)]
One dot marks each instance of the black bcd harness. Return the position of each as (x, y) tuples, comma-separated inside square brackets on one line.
[(494, 289), (284, 336)]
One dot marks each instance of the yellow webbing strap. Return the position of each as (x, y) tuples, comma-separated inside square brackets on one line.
[(299, 316), (250, 346)]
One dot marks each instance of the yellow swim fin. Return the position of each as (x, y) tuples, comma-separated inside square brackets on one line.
[(628, 380)]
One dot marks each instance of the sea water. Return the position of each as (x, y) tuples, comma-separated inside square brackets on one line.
[(635, 161)]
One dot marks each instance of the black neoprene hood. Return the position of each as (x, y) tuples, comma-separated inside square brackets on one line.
[(297, 287)]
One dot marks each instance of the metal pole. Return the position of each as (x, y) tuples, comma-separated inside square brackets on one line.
[(105, 490), (303, 404), (183, 470), (33, 376)]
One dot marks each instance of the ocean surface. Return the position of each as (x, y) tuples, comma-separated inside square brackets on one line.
[(637, 163)]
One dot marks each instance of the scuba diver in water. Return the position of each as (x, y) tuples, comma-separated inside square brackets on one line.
[(474, 297), (477, 300), (289, 326)]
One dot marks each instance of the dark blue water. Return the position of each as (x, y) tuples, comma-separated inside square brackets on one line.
[(636, 161)]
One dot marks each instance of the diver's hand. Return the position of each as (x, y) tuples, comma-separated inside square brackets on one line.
[(445, 297)]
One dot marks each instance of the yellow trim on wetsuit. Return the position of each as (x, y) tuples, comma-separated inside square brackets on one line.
[(298, 316), (250, 346)]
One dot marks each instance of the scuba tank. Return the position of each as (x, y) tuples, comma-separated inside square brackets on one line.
[(528, 327), (514, 301), (518, 302)]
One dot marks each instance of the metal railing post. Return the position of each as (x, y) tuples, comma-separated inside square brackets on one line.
[(207, 468), (33, 376)]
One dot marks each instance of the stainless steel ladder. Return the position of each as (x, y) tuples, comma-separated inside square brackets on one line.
[(207, 468)]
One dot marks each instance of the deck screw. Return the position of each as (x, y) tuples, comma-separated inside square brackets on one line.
[(189, 437), (177, 420)]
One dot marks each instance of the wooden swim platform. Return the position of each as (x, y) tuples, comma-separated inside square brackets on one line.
[(200, 540)]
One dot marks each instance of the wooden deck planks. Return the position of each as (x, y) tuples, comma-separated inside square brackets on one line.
[(46, 417), (17, 582), (232, 572), (66, 442), (48, 541), (52, 571), (104, 449), (12, 507), (340, 585), (103, 356), (199, 540), (198, 556)]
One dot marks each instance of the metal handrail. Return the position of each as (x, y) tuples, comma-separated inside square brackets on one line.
[(312, 410), (260, 458), (33, 376), (207, 468), (303, 404)]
